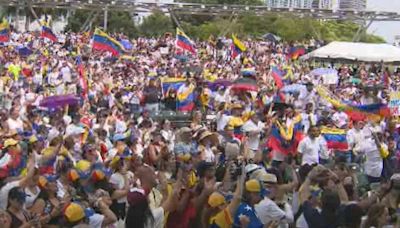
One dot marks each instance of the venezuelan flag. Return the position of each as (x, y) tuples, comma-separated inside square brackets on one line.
[(295, 52), (173, 83), (103, 42), (184, 42), (47, 32), (237, 47), (286, 140), (4, 31), (185, 99), (278, 75), (336, 139), (371, 111), (248, 72)]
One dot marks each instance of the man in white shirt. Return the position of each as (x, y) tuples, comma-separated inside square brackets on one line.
[(253, 127), (308, 118), (267, 210), (340, 119), (313, 148)]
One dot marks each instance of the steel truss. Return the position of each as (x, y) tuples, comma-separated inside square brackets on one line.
[(201, 9)]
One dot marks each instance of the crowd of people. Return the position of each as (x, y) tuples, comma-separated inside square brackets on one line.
[(101, 159)]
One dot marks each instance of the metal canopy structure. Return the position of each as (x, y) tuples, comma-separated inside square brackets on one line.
[(200, 9)]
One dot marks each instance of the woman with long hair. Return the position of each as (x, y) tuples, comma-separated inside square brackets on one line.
[(377, 216)]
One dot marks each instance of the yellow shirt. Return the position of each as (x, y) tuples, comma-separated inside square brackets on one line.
[(15, 70), (222, 220)]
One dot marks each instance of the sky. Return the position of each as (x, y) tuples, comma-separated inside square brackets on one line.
[(387, 30)]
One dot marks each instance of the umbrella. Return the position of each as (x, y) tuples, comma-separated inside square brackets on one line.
[(218, 83), (245, 84), (324, 71), (271, 37), (59, 101)]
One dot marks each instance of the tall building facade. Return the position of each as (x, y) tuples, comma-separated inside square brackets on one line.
[(306, 4), (318, 4), (353, 4)]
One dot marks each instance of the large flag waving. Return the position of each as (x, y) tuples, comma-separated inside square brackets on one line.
[(184, 42), (4, 31), (47, 32), (237, 47), (103, 42)]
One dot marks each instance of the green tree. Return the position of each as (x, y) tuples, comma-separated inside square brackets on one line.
[(156, 25), (117, 22)]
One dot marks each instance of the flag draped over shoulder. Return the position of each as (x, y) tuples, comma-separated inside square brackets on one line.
[(82, 75), (371, 111), (237, 47), (47, 32), (184, 42), (285, 139), (335, 138), (4, 31), (172, 83), (103, 42), (185, 98)]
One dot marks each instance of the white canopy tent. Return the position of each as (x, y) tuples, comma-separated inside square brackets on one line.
[(356, 52)]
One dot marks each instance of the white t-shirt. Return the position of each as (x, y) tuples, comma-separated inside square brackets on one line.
[(31, 197), (15, 124), (312, 150), (158, 215), (96, 221), (222, 121), (267, 211), (373, 164), (4, 193), (254, 139), (118, 181)]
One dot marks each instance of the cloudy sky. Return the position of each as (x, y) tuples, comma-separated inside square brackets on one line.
[(385, 29)]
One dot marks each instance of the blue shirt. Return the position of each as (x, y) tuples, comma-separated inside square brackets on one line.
[(245, 209)]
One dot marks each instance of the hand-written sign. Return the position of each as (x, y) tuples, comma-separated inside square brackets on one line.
[(394, 103)]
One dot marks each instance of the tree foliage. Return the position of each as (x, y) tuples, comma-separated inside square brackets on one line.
[(155, 25), (288, 27)]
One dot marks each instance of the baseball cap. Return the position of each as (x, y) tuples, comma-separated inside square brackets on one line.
[(255, 186), (216, 199), (74, 212)]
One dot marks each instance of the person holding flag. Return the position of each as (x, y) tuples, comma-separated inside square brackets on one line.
[(4, 31), (237, 47), (47, 32), (184, 42)]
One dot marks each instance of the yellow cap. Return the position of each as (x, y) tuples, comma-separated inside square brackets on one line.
[(253, 186), (216, 199), (74, 212)]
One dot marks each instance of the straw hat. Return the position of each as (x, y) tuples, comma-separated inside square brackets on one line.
[(213, 137)]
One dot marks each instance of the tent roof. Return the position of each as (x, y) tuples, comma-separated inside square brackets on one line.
[(357, 51)]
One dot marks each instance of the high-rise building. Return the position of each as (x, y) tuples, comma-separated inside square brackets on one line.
[(289, 3), (322, 4), (353, 4)]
